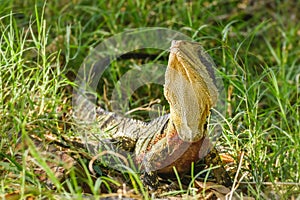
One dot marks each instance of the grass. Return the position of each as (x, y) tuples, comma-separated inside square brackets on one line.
[(256, 47)]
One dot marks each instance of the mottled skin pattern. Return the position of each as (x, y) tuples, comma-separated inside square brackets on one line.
[(177, 139)]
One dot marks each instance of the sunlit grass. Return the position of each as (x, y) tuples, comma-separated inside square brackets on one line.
[(257, 57)]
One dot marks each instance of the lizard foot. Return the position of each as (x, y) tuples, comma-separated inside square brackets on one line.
[(220, 173), (150, 179)]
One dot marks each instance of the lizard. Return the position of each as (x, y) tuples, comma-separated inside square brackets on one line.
[(175, 140), (178, 138)]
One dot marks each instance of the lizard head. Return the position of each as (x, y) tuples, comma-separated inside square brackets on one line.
[(190, 89)]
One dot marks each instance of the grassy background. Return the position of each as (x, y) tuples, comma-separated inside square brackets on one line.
[(255, 44)]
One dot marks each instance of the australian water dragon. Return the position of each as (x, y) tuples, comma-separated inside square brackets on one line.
[(173, 140), (176, 139)]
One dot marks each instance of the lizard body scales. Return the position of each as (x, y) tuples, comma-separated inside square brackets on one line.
[(173, 140), (176, 139)]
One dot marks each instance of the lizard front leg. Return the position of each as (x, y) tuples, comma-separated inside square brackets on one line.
[(220, 173)]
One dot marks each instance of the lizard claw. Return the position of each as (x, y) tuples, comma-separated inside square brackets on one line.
[(150, 179)]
